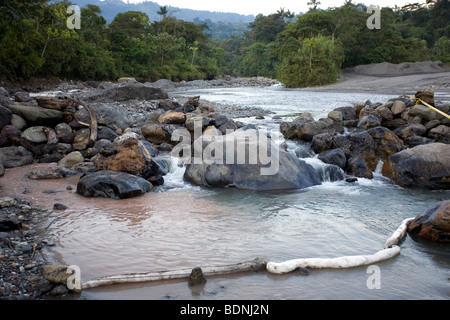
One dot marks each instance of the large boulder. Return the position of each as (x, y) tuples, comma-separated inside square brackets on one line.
[(128, 154), (111, 116), (308, 130), (37, 115), (434, 223), (425, 166), (112, 184), (386, 142), (12, 157), (284, 170)]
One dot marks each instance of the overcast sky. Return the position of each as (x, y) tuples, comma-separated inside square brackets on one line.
[(264, 6)]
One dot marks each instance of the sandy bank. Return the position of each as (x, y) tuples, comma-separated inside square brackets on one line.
[(386, 78)]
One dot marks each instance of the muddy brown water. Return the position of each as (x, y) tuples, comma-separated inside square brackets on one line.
[(181, 226)]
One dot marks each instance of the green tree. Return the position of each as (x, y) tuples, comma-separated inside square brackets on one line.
[(317, 62)]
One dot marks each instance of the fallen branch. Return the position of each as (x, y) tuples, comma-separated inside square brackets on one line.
[(93, 125), (255, 265), (336, 263)]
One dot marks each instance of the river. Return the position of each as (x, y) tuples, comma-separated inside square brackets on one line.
[(183, 226)]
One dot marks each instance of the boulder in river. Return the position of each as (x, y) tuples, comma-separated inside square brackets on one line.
[(283, 171), (112, 184), (434, 223), (131, 156), (425, 166)]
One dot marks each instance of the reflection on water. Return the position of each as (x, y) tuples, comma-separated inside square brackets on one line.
[(182, 226)]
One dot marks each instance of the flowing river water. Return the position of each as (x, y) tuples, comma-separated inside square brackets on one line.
[(181, 226)]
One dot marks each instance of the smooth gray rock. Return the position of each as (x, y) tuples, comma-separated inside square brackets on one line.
[(112, 184)]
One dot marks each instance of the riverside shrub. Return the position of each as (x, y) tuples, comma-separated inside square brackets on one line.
[(315, 61)]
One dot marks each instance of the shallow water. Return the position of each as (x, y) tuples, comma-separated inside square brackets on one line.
[(182, 226)]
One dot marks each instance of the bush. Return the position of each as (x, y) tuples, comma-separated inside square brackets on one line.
[(318, 61)]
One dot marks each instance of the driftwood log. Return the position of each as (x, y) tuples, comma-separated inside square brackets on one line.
[(255, 265), (93, 126)]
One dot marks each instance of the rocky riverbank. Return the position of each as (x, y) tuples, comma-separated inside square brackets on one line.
[(21, 258)]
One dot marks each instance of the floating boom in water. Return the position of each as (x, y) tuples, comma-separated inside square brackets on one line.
[(334, 263)]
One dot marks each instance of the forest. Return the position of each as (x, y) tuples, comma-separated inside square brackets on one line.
[(299, 50)]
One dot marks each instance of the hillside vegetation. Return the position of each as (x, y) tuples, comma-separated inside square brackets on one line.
[(299, 50)]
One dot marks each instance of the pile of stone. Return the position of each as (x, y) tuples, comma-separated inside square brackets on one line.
[(411, 139), (88, 133)]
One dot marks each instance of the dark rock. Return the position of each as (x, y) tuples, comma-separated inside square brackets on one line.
[(290, 129), (196, 277), (59, 207), (188, 108), (425, 166), (386, 142), (8, 134), (433, 224), (5, 117), (369, 111), (440, 134), (368, 122), (64, 133), (168, 104), (414, 141), (106, 133), (12, 157), (322, 142), (357, 166), (308, 130), (335, 156), (348, 113), (10, 224), (410, 130), (112, 184), (224, 123), (360, 145), (394, 123)]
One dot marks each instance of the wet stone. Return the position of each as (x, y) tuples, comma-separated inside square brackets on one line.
[(197, 278)]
